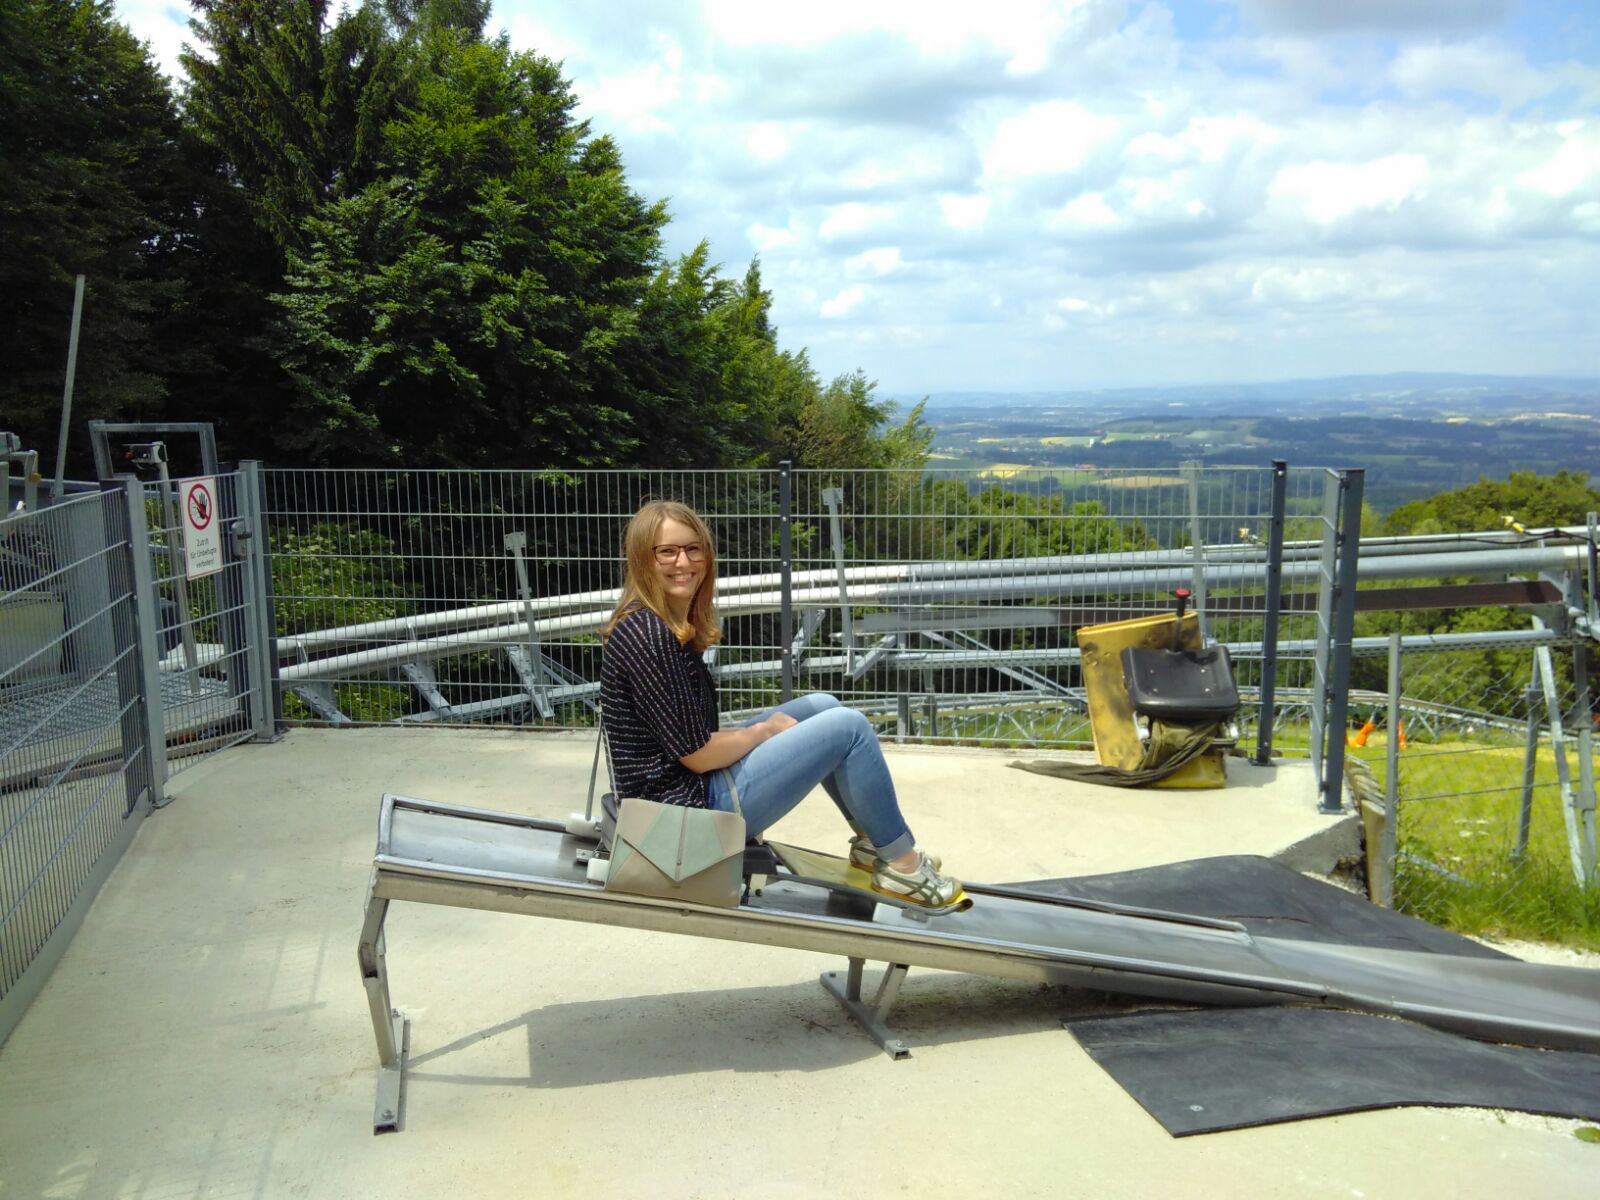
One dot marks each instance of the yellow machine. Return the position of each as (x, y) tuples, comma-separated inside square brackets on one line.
[(1119, 733)]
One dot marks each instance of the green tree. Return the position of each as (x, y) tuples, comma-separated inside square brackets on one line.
[(1485, 679), (479, 303), (92, 185), (286, 102), (1531, 499), (1000, 523)]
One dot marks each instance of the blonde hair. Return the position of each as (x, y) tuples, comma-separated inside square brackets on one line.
[(641, 586)]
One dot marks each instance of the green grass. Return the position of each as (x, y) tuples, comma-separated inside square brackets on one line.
[(1459, 810)]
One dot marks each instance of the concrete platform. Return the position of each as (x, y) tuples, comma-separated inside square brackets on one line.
[(206, 1034)]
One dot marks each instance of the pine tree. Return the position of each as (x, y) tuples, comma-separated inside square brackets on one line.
[(92, 185)]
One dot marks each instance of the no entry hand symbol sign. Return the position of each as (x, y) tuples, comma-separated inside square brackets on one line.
[(202, 542)]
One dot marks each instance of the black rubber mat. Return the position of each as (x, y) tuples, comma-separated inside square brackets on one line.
[(1267, 898), (1206, 1070)]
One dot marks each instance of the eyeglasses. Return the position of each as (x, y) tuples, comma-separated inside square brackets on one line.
[(667, 555)]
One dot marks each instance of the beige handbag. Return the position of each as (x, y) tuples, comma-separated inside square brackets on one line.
[(678, 853)]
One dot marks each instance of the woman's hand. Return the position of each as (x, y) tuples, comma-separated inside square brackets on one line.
[(728, 746), (778, 722)]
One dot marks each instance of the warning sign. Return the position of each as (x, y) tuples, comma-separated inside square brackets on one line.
[(202, 539)]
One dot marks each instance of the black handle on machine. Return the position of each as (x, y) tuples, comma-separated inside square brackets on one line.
[(1181, 595)]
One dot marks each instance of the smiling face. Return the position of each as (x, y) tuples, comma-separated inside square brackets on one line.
[(680, 579)]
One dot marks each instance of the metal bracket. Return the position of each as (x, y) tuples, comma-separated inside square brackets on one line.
[(871, 1017), (810, 622), (871, 658), (318, 697), (531, 681), (423, 679)]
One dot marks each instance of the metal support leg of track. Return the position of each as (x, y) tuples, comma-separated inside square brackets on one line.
[(1530, 762), (423, 679), (1583, 723), (1571, 806), (318, 697), (392, 1030), (846, 989), (531, 666)]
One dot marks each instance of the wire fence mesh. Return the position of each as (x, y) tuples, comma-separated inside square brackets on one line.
[(73, 761), (203, 625), (1490, 833), (942, 603)]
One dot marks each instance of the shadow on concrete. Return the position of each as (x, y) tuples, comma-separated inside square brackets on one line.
[(792, 1027)]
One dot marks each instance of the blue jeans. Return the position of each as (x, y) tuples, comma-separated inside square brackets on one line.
[(832, 745)]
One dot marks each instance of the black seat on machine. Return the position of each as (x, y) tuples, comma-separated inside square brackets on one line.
[(1181, 685)]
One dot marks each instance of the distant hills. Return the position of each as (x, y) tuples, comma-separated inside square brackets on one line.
[(1411, 389), (1415, 434)]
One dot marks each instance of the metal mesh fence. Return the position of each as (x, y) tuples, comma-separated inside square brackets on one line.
[(1491, 836), (74, 758), (941, 603), (203, 625)]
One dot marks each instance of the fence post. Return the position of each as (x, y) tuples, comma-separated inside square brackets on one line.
[(147, 635), (1267, 691), (1593, 571), (1327, 569), (785, 580), (1391, 783), (257, 587), (1341, 633), (834, 499), (1197, 538), (233, 592)]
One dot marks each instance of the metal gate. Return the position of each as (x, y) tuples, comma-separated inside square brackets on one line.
[(212, 627)]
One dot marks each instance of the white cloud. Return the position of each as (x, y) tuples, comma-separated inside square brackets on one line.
[(768, 237), (1329, 191), (844, 303), (1480, 68), (1088, 209), (878, 261), (1047, 139), (1575, 164), (1309, 186), (162, 24), (964, 212), (767, 141), (639, 98), (853, 217), (1017, 28)]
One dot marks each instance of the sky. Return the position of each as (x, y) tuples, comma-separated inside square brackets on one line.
[(1052, 195)]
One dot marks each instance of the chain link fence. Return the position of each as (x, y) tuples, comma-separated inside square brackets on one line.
[(1492, 758)]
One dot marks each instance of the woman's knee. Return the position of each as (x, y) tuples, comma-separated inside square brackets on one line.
[(846, 721), (804, 708)]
